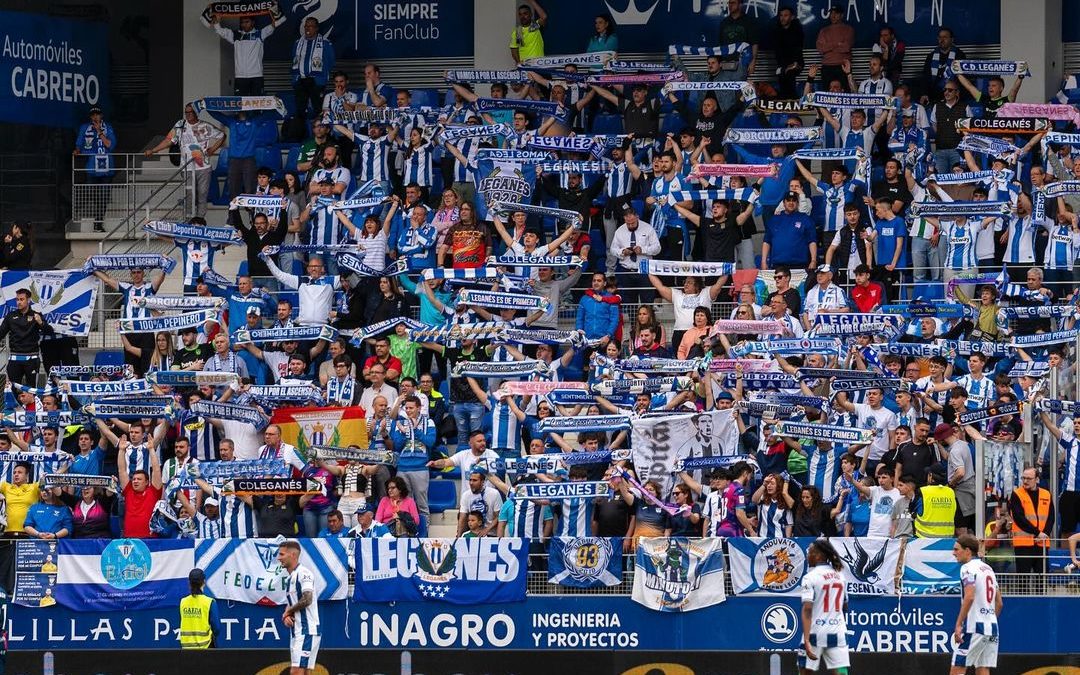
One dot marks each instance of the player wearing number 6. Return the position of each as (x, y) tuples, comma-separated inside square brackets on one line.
[(824, 604), (301, 611), (976, 634)]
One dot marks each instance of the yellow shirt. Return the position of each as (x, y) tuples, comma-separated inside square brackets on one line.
[(530, 42), (19, 500)]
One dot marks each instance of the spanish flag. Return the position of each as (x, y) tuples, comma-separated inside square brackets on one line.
[(305, 427)]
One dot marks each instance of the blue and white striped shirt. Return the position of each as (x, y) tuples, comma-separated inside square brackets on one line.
[(131, 293), (574, 518), (961, 237), (372, 155), (620, 182), (306, 621), (417, 168)]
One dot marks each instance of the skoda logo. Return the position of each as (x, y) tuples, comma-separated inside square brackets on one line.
[(779, 623)]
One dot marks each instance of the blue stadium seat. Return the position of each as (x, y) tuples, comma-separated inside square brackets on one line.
[(109, 358), (673, 123), (448, 97), (442, 495), (270, 157), (425, 97), (597, 249), (607, 124), (292, 158)]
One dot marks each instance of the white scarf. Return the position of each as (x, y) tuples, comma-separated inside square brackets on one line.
[(316, 54)]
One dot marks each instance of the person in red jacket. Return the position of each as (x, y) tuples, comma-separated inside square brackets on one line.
[(141, 492), (866, 294)]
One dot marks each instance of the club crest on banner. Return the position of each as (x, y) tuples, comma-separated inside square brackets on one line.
[(267, 553), (586, 559), (125, 563), (435, 562), (870, 564), (676, 574)]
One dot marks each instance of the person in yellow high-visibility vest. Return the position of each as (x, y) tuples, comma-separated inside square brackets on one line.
[(199, 621)]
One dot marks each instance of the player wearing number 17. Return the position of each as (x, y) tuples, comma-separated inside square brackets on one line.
[(824, 604), (976, 634), (301, 611)]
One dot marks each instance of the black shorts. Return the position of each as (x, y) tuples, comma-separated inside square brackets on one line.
[(965, 521)]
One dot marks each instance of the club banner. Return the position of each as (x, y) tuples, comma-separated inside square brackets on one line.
[(1003, 125), (191, 378), (825, 432), (788, 347), (584, 423), (964, 177), (585, 562), (103, 575), (278, 393), (745, 89), (450, 134), (572, 490), (235, 104), (782, 106), (231, 411), (970, 209), (649, 385), (332, 454), (361, 334), (497, 369), (649, 79), (233, 9), (1034, 369), (1044, 339), (696, 463), (168, 324), (27, 419), (561, 215), (883, 383), (722, 365), (131, 261), (218, 473), (929, 567), (819, 402), (354, 262), (1058, 407), (918, 310), (306, 427), (97, 389), (564, 143), (66, 299), (258, 487), (1058, 189), (504, 176), (487, 330), (985, 145), (164, 303), (760, 408), (622, 66), (679, 268), (503, 300), (990, 412), (857, 324), (469, 274), (286, 334), (571, 397), (828, 99), (760, 381), (1043, 312), (260, 202), (871, 564), (677, 574), (247, 570), (125, 371), (459, 571), (584, 60), (79, 481), (575, 166), (508, 260), (486, 76), (366, 116), (550, 463), (659, 441), (541, 336), (225, 236), (545, 108), (974, 68), (754, 170), (735, 326), (767, 566), (838, 373), (128, 411), (786, 135)]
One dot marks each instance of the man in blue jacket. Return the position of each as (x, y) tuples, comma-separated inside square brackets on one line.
[(598, 311), (313, 61)]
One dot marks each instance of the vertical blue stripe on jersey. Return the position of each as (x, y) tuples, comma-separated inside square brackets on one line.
[(575, 518)]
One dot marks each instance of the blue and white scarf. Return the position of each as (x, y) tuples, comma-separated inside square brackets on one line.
[(231, 411), (857, 324), (969, 209), (844, 100), (971, 67), (637, 364), (214, 235), (128, 411), (562, 143), (561, 215), (651, 385), (486, 76), (286, 334), (884, 383), (191, 378), (759, 381), (496, 369), (736, 194), (985, 145), (825, 432), (340, 391), (174, 302), (967, 177), (235, 104), (307, 249), (1051, 191), (574, 166), (79, 481), (477, 131), (471, 331), (261, 202), (535, 260), (584, 60), (584, 423), (1043, 312), (622, 66), (287, 392), (361, 334), (130, 261), (548, 108), (28, 419), (682, 268), (219, 472), (503, 300), (471, 273), (169, 324), (1045, 339), (785, 135), (335, 454), (100, 389), (745, 89), (741, 49), (788, 347), (376, 115), (540, 336), (66, 372)]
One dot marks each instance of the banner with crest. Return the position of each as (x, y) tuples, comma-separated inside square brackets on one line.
[(66, 298), (677, 574), (505, 176), (247, 570), (304, 428)]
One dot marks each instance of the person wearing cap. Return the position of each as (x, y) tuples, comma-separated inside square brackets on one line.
[(199, 620), (366, 527), (96, 140), (790, 238), (856, 133), (824, 298), (208, 524), (313, 61), (961, 474), (834, 43), (481, 498), (906, 135)]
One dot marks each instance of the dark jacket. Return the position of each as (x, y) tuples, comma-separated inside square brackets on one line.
[(256, 266), (23, 331), (579, 200)]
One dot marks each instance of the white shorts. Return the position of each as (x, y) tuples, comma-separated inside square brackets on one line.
[(832, 657), (976, 651), (303, 650)]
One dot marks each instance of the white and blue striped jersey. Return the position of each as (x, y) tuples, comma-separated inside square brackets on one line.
[(1070, 480), (529, 518), (1020, 247), (237, 518), (518, 141), (980, 391), (823, 468), (939, 397), (835, 198), (773, 520), (620, 182), (200, 434), (131, 293), (665, 215), (207, 528), (418, 166), (324, 229), (338, 175), (982, 616), (960, 254), (372, 157), (871, 86), (382, 89), (573, 518), (468, 147), (306, 621), (1062, 246), (138, 459), (198, 256), (505, 427)]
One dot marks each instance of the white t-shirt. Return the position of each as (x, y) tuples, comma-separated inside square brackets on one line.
[(881, 507), (488, 502), (982, 617), (466, 460), (686, 304), (884, 421)]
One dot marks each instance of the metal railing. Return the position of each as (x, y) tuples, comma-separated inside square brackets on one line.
[(137, 191)]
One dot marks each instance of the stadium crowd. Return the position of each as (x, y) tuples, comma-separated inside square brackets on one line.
[(818, 210)]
